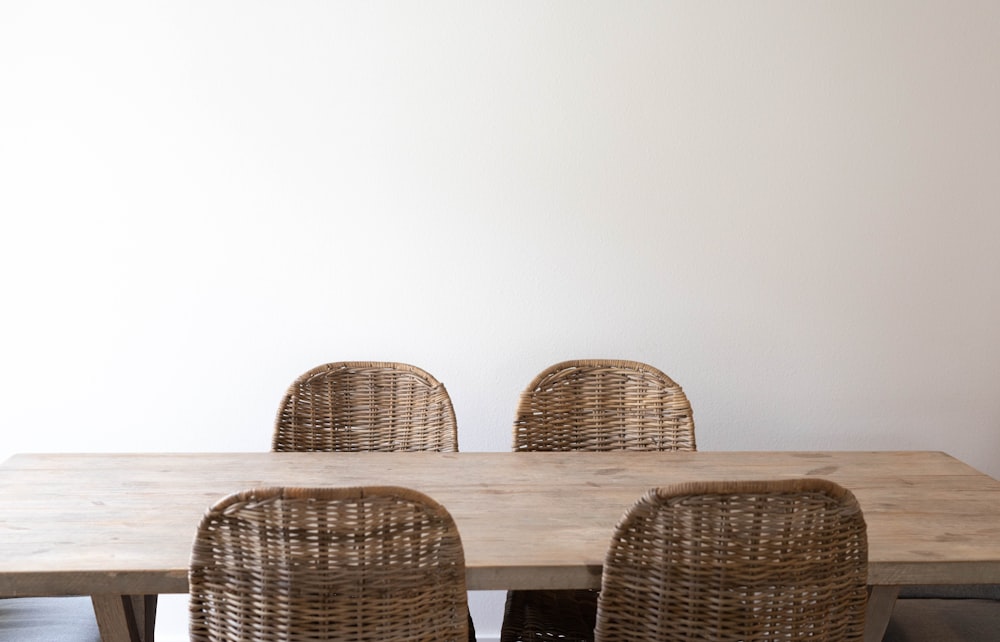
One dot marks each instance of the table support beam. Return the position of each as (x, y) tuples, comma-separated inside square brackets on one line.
[(881, 599), (125, 618)]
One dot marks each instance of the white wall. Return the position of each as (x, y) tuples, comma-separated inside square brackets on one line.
[(792, 208)]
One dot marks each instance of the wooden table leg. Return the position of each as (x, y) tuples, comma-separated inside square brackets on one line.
[(125, 618), (881, 599), (144, 609)]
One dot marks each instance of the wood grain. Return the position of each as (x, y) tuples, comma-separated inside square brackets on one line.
[(96, 524)]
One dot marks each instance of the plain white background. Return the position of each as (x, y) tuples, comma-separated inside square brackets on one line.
[(791, 208)]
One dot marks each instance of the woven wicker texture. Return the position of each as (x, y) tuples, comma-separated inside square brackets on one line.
[(366, 406), (783, 560), (601, 405), (588, 405), (359, 564)]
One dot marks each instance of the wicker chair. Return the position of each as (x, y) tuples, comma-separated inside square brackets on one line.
[(366, 406), (601, 405), (762, 561), (590, 405), (44, 619), (365, 564)]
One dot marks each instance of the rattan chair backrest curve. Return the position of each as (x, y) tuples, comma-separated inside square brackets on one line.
[(603, 404), (782, 560), (362, 564), (366, 406)]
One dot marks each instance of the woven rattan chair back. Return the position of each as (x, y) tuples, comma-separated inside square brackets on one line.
[(601, 405), (363, 564), (783, 560), (590, 405), (366, 406)]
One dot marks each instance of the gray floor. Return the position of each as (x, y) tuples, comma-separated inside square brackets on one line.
[(944, 620), (48, 619)]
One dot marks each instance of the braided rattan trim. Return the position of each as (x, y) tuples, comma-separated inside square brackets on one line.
[(282, 564), (366, 406)]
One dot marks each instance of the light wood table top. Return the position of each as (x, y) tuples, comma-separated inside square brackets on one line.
[(123, 523)]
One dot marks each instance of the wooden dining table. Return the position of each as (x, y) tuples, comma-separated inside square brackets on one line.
[(119, 527)]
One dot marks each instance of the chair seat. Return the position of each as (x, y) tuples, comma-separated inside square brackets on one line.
[(567, 616), (944, 620), (48, 619)]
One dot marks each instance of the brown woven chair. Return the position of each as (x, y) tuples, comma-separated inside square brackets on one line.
[(590, 405), (601, 405), (362, 564), (761, 561), (366, 406)]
